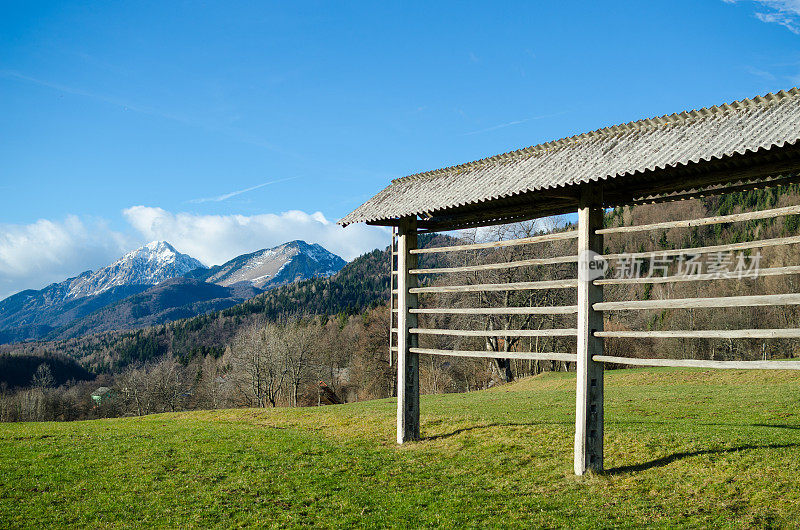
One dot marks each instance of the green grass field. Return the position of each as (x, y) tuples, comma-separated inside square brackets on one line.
[(683, 448)]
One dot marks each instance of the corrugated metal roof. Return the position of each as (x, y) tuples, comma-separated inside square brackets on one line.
[(633, 148)]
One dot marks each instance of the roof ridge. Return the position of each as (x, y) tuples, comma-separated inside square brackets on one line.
[(646, 123)]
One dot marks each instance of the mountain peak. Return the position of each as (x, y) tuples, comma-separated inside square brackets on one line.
[(148, 265), (156, 251), (159, 245), (270, 267), (296, 243)]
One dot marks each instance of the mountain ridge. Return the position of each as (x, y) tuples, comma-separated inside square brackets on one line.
[(271, 267), (62, 308), (363, 283), (170, 300)]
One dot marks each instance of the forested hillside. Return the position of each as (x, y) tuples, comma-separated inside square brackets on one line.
[(359, 286), (27, 370), (168, 301)]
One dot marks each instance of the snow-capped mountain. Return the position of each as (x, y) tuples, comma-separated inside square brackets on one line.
[(129, 291), (150, 265), (33, 314), (267, 268)]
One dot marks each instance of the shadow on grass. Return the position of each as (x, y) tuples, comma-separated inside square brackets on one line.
[(666, 460), (704, 424), (489, 426), (535, 424)]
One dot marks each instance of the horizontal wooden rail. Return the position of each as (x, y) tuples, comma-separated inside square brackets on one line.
[(556, 236), (778, 241), (497, 332), (692, 303), (554, 310), (696, 363), (718, 219), (716, 189), (789, 333), (511, 286), (771, 271), (496, 266), (566, 357)]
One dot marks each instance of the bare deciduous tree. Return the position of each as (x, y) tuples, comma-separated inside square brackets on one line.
[(43, 377), (259, 368), (299, 346)]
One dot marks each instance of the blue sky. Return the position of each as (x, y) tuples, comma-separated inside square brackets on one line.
[(225, 127)]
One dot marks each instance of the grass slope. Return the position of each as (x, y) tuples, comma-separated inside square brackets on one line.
[(683, 447)]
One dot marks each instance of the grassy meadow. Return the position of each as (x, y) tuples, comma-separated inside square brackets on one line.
[(683, 448)]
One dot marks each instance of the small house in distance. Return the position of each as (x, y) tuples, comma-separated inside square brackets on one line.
[(102, 395)]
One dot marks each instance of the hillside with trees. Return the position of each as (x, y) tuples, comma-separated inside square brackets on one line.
[(359, 286), (280, 346)]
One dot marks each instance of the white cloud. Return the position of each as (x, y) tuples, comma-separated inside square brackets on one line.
[(787, 21), (35, 255), (783, 12), (214, 239)]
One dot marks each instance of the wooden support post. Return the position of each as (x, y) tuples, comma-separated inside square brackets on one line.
[(407, 362), (392, 276), (589, 394)]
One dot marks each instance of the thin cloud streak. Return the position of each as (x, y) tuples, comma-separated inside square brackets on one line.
[(511, 123), (763, 74), (226, 196)]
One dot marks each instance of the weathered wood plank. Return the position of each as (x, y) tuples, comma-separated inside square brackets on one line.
[(691, 183), (718, 219), (498, 215), (392, 309), (511, 286), (786, 333), (697, 363), (552, 356), (770, 271), (496, 266), (566, 332), (555, 236), (718, 189), (778, 241), (407, 362), (692, 303), (588, 451), (554, 310)]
